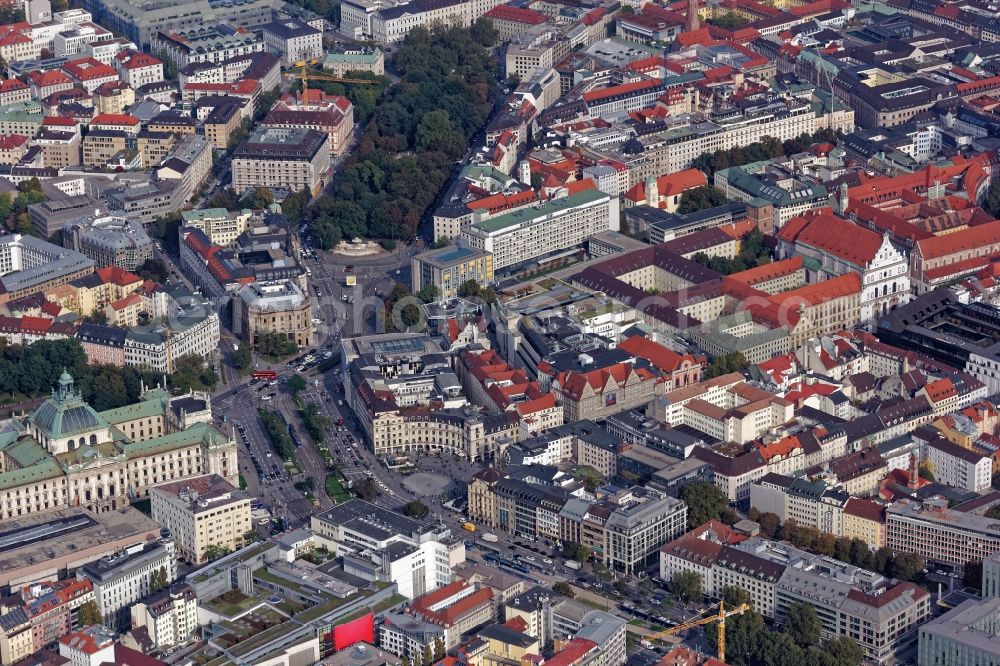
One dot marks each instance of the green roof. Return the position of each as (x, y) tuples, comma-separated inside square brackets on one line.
[(528, 214), (204, 214), (87, 453), (65, 413), (139, 410), (26, 452), (358, 57), (196, 434), (41, 471)]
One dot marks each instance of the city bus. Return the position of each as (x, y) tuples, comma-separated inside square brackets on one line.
[(265, 374)]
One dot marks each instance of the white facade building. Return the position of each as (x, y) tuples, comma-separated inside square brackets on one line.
[(958, 466), (533, 233), (122, 579), (170, 616)]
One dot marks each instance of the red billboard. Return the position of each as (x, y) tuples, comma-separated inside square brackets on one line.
[(356, 631)]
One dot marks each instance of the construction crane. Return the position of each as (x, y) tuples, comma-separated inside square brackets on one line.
[(719, 617), (304, 75)]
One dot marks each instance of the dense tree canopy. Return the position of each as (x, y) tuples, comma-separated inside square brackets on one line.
[(701, 198), (803, 625), (748, 641), (685, 585), (853, 551), (705, 502), (723, 365), (752, 253), (417, 132), (765, 149), (33, 370)]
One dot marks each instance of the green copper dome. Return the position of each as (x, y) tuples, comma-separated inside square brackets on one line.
[(65, 413)]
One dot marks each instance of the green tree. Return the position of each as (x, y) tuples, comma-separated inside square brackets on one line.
[(439, 650), (262, 198), (769, 525), (428, 294), (736, 596), (153, 269), (158, 580), (88, 614), (926, 470), (437, 133), (743, 634), (843, 651), (410, 315), (296, 383), (802, 624), (243, 357), (108, 389), (992, 202), (778, 649), (276, 344), (416, 509), (725, 364), (191, 372), (315, 422), (705, 502), (728, 21), (428, 656), (214, 552), (366, 489), (484, 32), (907, 566), (564, 588), (686, 585), (701, 198), (6, 205)]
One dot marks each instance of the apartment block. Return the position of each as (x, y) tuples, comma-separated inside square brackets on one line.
[(287, 158), (935, 532), (200, 512), (122, 579), (448, 268), (170, 616), (966, 635), (518, 238)]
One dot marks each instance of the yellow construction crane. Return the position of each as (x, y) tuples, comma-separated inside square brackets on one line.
[(304, 75), (719, 617)]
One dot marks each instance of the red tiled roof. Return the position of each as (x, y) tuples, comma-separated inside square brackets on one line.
[(622, 89), (867, 509), (50, 78), (572, 653), (663, 359), (547, 401), (115, 119), (782, 447), (940, 389), (11, 85), (969, 239), (118, 276), (59, 121), (581, 185), (821, 292), (88, 69), (136, 60), (573, 383), (10, 141), (834, 235), (516, 14), (670, 184), (770, 271)]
